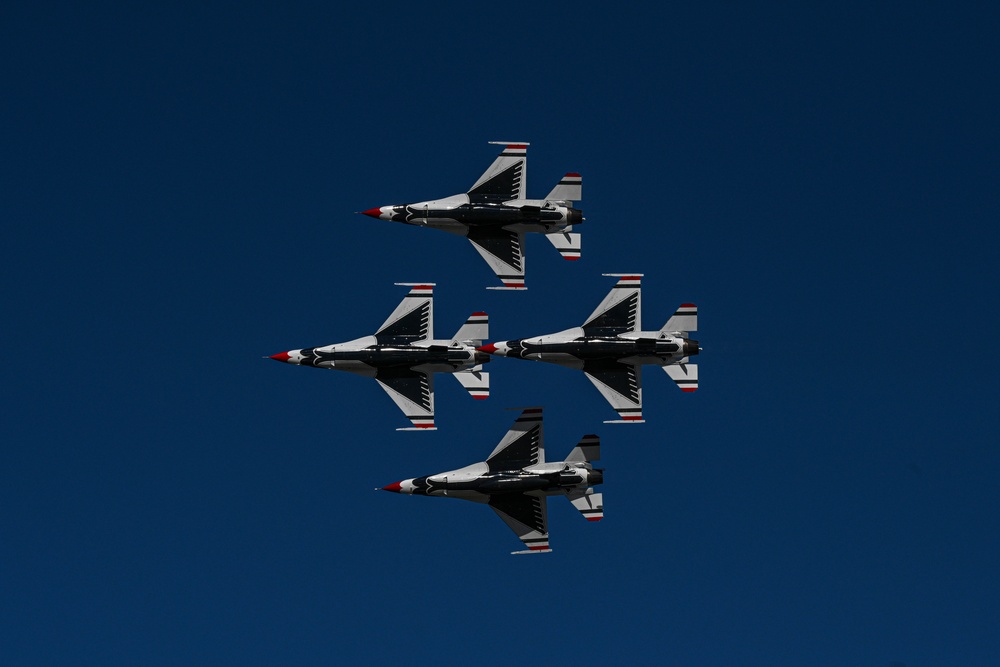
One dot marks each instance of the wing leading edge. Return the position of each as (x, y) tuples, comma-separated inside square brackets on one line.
[(413, 393), (621, 386), (528, 517)]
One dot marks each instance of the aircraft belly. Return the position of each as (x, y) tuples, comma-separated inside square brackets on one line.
[(436, 368), (464, 494), (349, 366), (444, 224), (642, 360), (560, 358)]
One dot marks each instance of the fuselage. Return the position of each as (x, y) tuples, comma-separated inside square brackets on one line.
[(364, 354), (531, 215), (572, 348), (477, 482)]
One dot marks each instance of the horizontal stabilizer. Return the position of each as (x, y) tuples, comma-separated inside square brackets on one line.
[(475, 330), (589, 449), (475, 381), (685, 375), (569, 189), (567, 243), (591, 506), (684, 319)]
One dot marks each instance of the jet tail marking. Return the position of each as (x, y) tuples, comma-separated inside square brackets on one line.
[(684, 319), (588, 449), (590, 505), (567, 190), (475, 330), (567, 243), (475, 381), (685, 375)]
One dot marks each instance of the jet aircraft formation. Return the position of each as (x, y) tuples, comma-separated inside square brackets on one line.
[(610, 348)]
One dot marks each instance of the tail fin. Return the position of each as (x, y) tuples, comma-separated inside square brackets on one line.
[(567, 243), (569, 189), (476, 382), (684, 319), (475, 330)]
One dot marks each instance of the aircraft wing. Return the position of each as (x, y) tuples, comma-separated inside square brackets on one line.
[(621, 385), (522, 445), (413, 392), (506, 178), (413, 318), (504, 251), (620, 311), (527, 516)]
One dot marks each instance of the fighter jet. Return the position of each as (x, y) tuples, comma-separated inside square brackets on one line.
[(403, 356), (611, 348), (515, 481), (495, 214)]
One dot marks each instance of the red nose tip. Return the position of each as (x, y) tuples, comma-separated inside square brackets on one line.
[(373, 212), (281, 356), (394, 487), (489, 348)]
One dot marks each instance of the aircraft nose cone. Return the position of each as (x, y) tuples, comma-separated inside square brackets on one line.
[(281, 356), (373, 212), (489, 348), (395, 487)]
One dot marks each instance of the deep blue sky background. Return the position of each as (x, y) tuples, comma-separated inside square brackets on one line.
[(178, 196)]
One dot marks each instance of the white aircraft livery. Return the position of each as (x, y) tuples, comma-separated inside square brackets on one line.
[(495, 214), (403, 356), (515, 481), (611, 348)]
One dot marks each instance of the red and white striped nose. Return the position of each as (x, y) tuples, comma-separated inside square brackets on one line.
[(499, 349), (290, 357), (402, 486), (382, 212)]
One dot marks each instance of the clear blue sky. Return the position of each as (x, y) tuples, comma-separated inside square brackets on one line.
[(179, 187)]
